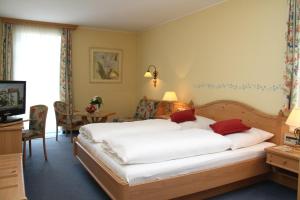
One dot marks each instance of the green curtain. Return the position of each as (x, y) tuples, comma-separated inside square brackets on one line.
[(66, 69), (291, 76), (6, 53)]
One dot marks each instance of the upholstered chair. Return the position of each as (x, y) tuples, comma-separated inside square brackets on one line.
[(37, 125), (66, 120)]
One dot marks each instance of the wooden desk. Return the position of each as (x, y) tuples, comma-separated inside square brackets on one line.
[(11, 177), (98, 116), (11, 137)]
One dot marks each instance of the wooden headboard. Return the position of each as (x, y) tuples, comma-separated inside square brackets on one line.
[(227, 109)]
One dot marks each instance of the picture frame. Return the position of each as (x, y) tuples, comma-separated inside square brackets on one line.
[(105, 65)]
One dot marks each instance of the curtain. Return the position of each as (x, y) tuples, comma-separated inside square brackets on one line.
[(291, 76), (36, 60), (6, 57), (66, 69)]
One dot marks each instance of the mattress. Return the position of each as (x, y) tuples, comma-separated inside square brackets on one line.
[(142, 173)]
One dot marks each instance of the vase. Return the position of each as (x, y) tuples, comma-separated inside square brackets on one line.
[(97, 107)]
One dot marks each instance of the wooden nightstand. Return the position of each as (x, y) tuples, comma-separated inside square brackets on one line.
[(285, 157), (163, 117)]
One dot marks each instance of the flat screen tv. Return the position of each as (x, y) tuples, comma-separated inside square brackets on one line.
[(12, 100)]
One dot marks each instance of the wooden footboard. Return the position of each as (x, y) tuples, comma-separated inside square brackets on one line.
[(169, 188)]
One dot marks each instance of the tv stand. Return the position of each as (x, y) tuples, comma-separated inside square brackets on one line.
[(7, 119)]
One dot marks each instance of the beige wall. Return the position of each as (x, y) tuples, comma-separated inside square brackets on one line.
[(234, 50), (118, 97)]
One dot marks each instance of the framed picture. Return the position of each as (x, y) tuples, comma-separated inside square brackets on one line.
[(105, 65)]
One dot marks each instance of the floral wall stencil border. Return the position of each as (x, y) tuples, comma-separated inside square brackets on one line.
[(242, 86)]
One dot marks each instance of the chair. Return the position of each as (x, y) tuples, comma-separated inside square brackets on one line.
[(37, 125), (65, 120)]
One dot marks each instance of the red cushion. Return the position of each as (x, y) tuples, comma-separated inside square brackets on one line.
[(229, 126), (183, 116)]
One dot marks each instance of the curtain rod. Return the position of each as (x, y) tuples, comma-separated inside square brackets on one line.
[(31, 22)]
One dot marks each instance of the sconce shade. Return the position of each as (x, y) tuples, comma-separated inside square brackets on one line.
[(148, 74), (170, 96), (294, 118)]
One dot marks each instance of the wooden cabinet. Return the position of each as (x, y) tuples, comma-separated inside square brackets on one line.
[(11, 137), (11, 177), (287, 158)]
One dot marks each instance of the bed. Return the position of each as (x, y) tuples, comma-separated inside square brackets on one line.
[(204, 183)]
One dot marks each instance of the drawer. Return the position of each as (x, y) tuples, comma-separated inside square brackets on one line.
[(283, 162)]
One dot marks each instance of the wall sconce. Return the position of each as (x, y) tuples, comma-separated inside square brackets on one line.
[(149, 75)]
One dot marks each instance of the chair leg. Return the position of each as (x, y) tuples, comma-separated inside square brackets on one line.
[(44, 146), (24, 152), (71, 135), (56, 132), (30, 148)]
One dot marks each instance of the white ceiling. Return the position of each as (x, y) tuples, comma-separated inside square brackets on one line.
[(132, 15)]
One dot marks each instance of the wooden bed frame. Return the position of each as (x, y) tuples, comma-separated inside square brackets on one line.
[(197, 185)]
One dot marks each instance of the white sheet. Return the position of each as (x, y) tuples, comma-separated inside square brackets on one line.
[(99, 131), (141, 173), (168, 145)]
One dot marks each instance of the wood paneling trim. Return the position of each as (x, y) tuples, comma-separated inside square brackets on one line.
[(37, 23)]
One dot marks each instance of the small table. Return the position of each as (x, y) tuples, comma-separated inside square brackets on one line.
[(95, 117), (285, 157)]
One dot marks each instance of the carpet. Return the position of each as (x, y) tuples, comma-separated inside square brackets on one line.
[(62, 177)]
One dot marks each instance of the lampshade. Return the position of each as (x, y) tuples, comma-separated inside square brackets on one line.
[(294, 118), (148, 74), (170, 96)]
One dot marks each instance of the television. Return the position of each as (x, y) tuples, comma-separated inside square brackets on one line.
[(12, 100)]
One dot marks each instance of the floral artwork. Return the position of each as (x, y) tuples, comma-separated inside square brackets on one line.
[(105, 65)]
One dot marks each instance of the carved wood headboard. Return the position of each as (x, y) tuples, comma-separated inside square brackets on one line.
[(227, 109)]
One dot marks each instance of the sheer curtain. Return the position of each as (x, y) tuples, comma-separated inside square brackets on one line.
[(36, 59)]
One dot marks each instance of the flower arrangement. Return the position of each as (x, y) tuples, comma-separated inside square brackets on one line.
[(96, 100), (91, 108)]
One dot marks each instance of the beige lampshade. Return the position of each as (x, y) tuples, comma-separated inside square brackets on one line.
[(148, 74), (294, 118), (170, 96)]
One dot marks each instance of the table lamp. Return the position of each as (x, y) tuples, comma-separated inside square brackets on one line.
[(294, 122), (169, 96)]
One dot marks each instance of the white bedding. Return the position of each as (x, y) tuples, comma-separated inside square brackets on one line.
[(141, 173), (96, 132), (148, 147)]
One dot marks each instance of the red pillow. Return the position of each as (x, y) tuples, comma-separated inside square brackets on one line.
[(229, 126), (183, 116)]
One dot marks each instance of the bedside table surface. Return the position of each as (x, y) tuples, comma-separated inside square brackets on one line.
[(163, 117), (285, 150)]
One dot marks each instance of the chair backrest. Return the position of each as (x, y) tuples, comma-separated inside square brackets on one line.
[(38, 115), (61, 114), (146, 109)]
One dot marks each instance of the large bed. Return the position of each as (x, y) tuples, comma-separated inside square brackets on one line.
[(193, 177)]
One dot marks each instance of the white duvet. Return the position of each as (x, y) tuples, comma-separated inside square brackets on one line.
[(167, 145), (97, 132)]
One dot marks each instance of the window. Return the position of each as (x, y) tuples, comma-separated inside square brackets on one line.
[(36, 59)]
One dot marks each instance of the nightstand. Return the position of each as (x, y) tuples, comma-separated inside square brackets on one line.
[(162, 117), (285, 157)]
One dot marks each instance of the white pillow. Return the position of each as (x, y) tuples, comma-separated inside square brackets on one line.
[(248, 138), (200, 122)]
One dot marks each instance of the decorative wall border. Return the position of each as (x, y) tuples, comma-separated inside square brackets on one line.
[(241, 86)]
